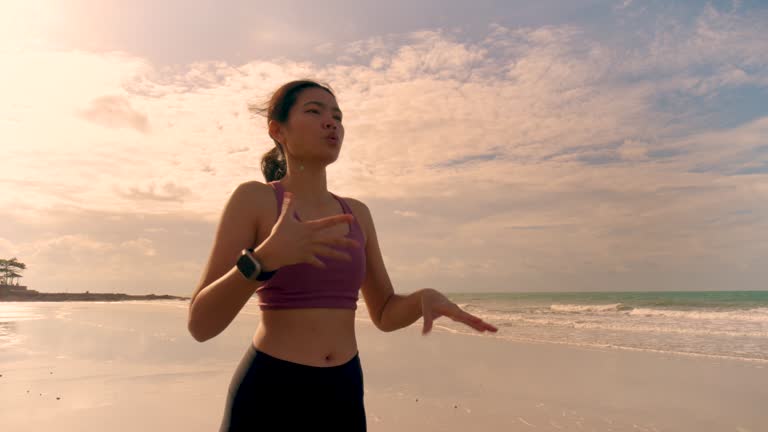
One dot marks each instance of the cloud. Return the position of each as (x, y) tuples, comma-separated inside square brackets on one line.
[(542, 154), (624, 4), (115, 112), (469, 159), (715, 49), (406, 213), (167, 191)]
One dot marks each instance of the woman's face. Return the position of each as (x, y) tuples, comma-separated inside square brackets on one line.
[(313, 117)]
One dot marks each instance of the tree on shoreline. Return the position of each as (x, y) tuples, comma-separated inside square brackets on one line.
[(8, 271)]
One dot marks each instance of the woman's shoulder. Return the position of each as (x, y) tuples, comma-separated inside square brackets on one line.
[(261, 189), (361, 212), (258, 196), (355, 204)]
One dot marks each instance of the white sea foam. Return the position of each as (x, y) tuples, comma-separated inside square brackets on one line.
[(585, 344), (736, 333), (758, 315), (615, 307), (629, 326), (651, 328)]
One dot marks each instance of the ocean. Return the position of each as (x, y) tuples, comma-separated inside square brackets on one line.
[(82, 366), (729, 324)]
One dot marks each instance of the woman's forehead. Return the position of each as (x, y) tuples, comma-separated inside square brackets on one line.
[(316, 94)]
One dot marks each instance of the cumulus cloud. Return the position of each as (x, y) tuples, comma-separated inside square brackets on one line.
[(540, 155), (115, 112), (167, 191)]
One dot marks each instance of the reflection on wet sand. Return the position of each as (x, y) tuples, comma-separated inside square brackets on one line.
[(8, 332)]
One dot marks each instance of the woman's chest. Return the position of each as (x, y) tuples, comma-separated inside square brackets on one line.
[(267, 219)]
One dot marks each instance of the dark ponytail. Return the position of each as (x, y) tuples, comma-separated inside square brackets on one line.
[(274, 162)]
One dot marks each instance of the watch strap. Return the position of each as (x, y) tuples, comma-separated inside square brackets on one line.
[(262, 275)]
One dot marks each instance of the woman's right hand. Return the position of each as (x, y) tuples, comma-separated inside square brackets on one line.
[(292, 241)]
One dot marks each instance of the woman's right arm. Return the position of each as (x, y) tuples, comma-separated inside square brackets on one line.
[(223, 290)]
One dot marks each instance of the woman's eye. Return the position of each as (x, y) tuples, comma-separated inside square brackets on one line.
[(318, 112)]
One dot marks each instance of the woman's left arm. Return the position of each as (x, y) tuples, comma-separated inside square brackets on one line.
[(402, 311), (434, 305), (390, 311)]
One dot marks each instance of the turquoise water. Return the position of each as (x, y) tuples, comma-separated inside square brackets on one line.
[(690, 300), (730, 324), (724, 324)]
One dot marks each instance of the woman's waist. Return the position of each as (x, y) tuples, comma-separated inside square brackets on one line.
[(309, 342), (321, 324)]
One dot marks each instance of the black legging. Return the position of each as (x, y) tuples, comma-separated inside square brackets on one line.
[(267, 393)]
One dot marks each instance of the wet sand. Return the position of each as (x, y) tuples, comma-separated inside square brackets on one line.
[(96, 367)]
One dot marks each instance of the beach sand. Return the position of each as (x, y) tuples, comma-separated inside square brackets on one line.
[(440, 382)]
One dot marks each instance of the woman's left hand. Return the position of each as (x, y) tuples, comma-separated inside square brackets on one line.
[(434, 305)]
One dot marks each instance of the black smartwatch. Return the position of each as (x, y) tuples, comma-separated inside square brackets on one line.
[(251, 268)]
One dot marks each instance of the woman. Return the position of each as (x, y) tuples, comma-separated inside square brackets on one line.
[(302, 366)]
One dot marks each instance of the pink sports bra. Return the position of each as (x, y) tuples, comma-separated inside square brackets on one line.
[(306, 286)]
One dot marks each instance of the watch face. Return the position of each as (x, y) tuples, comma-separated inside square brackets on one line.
[(246, 266)]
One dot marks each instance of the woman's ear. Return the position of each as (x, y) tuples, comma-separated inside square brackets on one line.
[(276, 131)]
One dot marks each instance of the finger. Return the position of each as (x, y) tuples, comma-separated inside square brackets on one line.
[(337, 240), (459, 315), (427, 322), (330, 221), (313, 260), (473, 321), (456, 313), (288, 206), (476, 326), (287, 202), (472, 318), (326, 251), (348, 242), (479, 324)]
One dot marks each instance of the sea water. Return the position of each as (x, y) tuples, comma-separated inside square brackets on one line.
[(731, 324)]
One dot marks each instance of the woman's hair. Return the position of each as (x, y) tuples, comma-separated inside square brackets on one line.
[(273, 162)]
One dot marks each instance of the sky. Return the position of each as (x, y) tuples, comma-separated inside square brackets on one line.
[(500, 145)]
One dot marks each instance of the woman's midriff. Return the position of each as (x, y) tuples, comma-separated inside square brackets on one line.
[(320, 337)]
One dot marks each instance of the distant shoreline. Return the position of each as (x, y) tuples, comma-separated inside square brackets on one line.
[(39, 296)]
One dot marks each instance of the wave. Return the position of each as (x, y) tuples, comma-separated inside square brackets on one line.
[(615, 307), (634, 327), (666, 329), (758, 315)]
